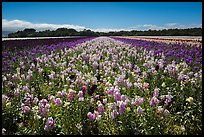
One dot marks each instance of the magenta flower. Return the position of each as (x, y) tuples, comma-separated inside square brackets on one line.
[(100, 108)]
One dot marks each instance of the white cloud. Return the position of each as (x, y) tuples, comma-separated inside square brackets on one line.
[(14, 25)]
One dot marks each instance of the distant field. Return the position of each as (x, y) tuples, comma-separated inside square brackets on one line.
[(3, 39)]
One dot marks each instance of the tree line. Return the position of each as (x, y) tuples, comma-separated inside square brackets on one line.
[(30, 32)]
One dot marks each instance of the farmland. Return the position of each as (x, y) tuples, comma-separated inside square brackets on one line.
[(102, 86)]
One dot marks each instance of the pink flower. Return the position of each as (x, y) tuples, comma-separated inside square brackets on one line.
[(70, 95), (100, 108), (26, 109), (97, 116), (91, 116), (96, 97)]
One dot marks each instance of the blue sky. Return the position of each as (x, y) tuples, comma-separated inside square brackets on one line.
[(101, 16)]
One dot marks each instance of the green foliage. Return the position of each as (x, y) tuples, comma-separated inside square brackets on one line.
[(72, 32)]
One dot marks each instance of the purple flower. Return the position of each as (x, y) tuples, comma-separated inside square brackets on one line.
[(4, 99), (160, 109), (58, 101), (26, 109), (122, 108), (63, 92), (117, 96), (114, 114), (140, 111), (100, 108), (28, 77), (154, 101), (59, 94), (105, 100), (35, 101), (17, 92), (138, 101), (44, 102), (70, 95), (80, 94), (166, 112), (49, 124), (156, 92), (83, 89), (91, 116), (52, 99)]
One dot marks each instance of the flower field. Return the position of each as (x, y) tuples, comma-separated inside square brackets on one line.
[(101, 86)]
